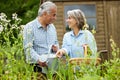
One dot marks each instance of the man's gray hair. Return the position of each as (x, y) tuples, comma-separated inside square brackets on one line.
[(45, 7)]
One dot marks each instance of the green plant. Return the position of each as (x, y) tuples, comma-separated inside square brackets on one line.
[(111, 67), (12, 62), (14, 67)]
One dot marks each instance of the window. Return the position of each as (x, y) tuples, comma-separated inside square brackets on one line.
[(89, 11)]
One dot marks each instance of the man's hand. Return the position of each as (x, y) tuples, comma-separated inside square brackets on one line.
[(42, 64), (54, 48)]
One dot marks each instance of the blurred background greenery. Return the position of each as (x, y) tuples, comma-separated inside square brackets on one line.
[(26, 9)]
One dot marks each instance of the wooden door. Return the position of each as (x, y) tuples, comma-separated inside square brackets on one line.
[(112, 9)]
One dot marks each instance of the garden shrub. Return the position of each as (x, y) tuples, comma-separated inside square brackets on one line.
[(12, 62), (14, 67)]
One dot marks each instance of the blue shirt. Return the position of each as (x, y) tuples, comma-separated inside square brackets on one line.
[(37, 40), (73, 45)]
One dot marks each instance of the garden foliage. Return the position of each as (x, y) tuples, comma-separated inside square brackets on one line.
[(14, 67), (26, 9)]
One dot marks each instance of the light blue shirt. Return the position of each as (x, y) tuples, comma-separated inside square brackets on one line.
[(73, 45), (38, 40)]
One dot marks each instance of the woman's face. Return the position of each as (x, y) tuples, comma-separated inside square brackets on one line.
[(71, 22)]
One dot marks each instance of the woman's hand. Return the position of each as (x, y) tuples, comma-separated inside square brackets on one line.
[(60, 53)]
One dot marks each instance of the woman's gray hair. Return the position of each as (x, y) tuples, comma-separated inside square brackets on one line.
[(45, 7), (79, 16)]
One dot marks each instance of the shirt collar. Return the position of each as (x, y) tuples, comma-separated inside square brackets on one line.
[(39, 24), (80, 32)]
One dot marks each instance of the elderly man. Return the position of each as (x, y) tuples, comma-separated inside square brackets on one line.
[(39, 35)]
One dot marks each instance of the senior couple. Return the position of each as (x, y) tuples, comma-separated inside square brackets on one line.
[(40, 37)]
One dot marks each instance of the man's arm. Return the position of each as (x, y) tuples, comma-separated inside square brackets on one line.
[(28, 38)]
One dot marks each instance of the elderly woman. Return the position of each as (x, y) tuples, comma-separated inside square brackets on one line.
[(75, 40)]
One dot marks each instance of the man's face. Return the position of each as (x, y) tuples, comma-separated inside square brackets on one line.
[(51, 17)]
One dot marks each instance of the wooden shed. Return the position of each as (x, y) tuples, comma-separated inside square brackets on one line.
[(102, 15)]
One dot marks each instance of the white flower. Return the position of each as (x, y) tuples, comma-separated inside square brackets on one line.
[(14, 16), (22, 26), (3, 16), (0, 17), (1, 28)]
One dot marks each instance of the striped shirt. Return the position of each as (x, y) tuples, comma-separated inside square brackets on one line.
[(37, 40)]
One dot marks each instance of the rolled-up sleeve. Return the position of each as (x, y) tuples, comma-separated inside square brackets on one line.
[(66, 45)]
